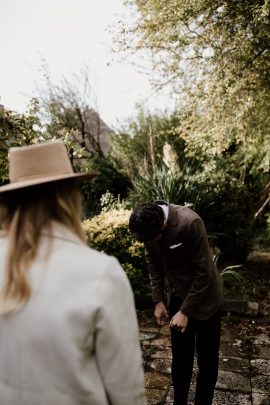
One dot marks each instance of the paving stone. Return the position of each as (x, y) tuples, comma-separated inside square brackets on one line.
[(233, 382), (263, 352), (231, 349), (229, 331), (144, 323), (220, 397), (148, 352), (262, 339), (231, 398), (161, 365), (260, 399), (154, 396), (252, 309), (145, 342), (239, 377), (234, 364), (166, 353), (165, 342), (149, 329), (165, 330), (261, 366), (146, 336), (260, 383), (169, 397), (256, 257), (156, 380)]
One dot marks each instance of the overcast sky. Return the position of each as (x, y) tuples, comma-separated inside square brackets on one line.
[(68, 34)]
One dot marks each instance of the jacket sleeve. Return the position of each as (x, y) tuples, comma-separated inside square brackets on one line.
[(156, 274), (201, 263), (117, 346)]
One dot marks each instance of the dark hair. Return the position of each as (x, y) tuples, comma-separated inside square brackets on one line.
[(146, 221)]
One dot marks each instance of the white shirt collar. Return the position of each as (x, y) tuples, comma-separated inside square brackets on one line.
[(166, 210)]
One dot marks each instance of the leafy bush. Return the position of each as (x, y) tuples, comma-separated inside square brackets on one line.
[(139, 144), (17, 130), (220, 199), (108, 232), (261, 239), (110, 179), (226, 204)]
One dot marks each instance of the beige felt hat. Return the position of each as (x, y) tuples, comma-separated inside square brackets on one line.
[(38, 164)]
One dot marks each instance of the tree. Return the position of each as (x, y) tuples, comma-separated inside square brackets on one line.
[(217, 53), (139, 145), (17, 130), (70, 109)]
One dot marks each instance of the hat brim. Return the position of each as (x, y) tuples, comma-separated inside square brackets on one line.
[(37, 181)]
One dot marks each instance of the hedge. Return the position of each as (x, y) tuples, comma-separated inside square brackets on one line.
[(108, 232)]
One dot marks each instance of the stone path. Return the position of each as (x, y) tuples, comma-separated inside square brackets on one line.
[(244, 376)]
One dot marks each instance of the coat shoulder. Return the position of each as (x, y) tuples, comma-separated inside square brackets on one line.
[(185, 215)]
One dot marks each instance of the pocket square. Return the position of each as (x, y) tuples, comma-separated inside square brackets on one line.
[(175, 246)]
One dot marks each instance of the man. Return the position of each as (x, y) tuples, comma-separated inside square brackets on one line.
[(177, 250)]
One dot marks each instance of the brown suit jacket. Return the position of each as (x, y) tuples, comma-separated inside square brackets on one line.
[(183, 258)]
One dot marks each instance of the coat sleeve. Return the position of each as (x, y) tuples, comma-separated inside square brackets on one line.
[(156, 274), (201, 263), (117, 346)]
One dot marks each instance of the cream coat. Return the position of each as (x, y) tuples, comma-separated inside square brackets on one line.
[(76, 340)]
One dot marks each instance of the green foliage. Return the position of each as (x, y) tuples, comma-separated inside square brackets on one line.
[(224, 203), (108, 232), (163, 185), (139, 146), (250, 282), (216, 57), (261, 238), (217, 54), (110, 179), (223, 190), (108, 202), (230, 273), (17, 130)]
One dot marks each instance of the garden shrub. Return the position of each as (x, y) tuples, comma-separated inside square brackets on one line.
[(110, 179), (108, 232), (224, 203)]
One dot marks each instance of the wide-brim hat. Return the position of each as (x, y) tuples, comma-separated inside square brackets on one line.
[(41, 163)]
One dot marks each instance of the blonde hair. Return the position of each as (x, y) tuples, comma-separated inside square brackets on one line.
[(23, 216)]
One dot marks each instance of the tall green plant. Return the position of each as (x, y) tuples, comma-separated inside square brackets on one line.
[(163, 185)]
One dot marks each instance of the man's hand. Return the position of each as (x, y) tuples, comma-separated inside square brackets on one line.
[(179, 321), (161, 313)]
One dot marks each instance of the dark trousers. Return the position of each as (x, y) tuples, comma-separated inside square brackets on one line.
[(204, 337)]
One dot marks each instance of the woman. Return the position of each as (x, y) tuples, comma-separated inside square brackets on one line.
[(68, 328)]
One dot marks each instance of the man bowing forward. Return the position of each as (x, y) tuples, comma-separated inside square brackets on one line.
[(177, 250)]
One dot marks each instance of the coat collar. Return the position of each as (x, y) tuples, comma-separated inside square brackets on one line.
[(172, 215), (60, 231)]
